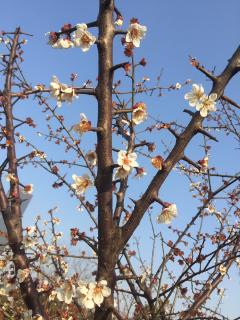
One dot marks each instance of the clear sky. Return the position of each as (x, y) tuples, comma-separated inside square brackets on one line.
[(208, 30)]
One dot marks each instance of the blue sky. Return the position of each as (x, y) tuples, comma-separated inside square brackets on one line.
[(208, 30)]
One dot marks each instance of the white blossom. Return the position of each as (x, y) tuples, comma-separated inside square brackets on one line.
[(93, 293), (11, 177), (168, 214), (84, 296), (29, 242), (99, 291), (56, 220), (195, 96), (145, 274), (81, 183), (207, 104), (222, 269), (135, 33), (22, 274), (83, 38), (91, 157), (119, 21), (61, 91), (157, 162), (178, 86), (66, 292), (63, 44), (127, 160), (83, 126), (139, 113)]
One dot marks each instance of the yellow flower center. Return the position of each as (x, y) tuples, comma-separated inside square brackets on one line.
[(84, 184), (199, 94), (98, 289), (84, 126), (126, 161), (85, 39), (134, 33)]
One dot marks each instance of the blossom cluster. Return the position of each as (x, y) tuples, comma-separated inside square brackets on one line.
[(198, 99), (87, 294), (81, 38)]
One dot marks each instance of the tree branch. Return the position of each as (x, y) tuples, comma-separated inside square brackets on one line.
[(177, 152)]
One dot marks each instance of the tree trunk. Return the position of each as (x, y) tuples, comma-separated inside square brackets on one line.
[(107, 256)]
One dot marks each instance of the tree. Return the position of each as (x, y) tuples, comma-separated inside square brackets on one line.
[(199, 259)]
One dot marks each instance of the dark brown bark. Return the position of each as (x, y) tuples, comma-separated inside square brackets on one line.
[(107, 255)]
